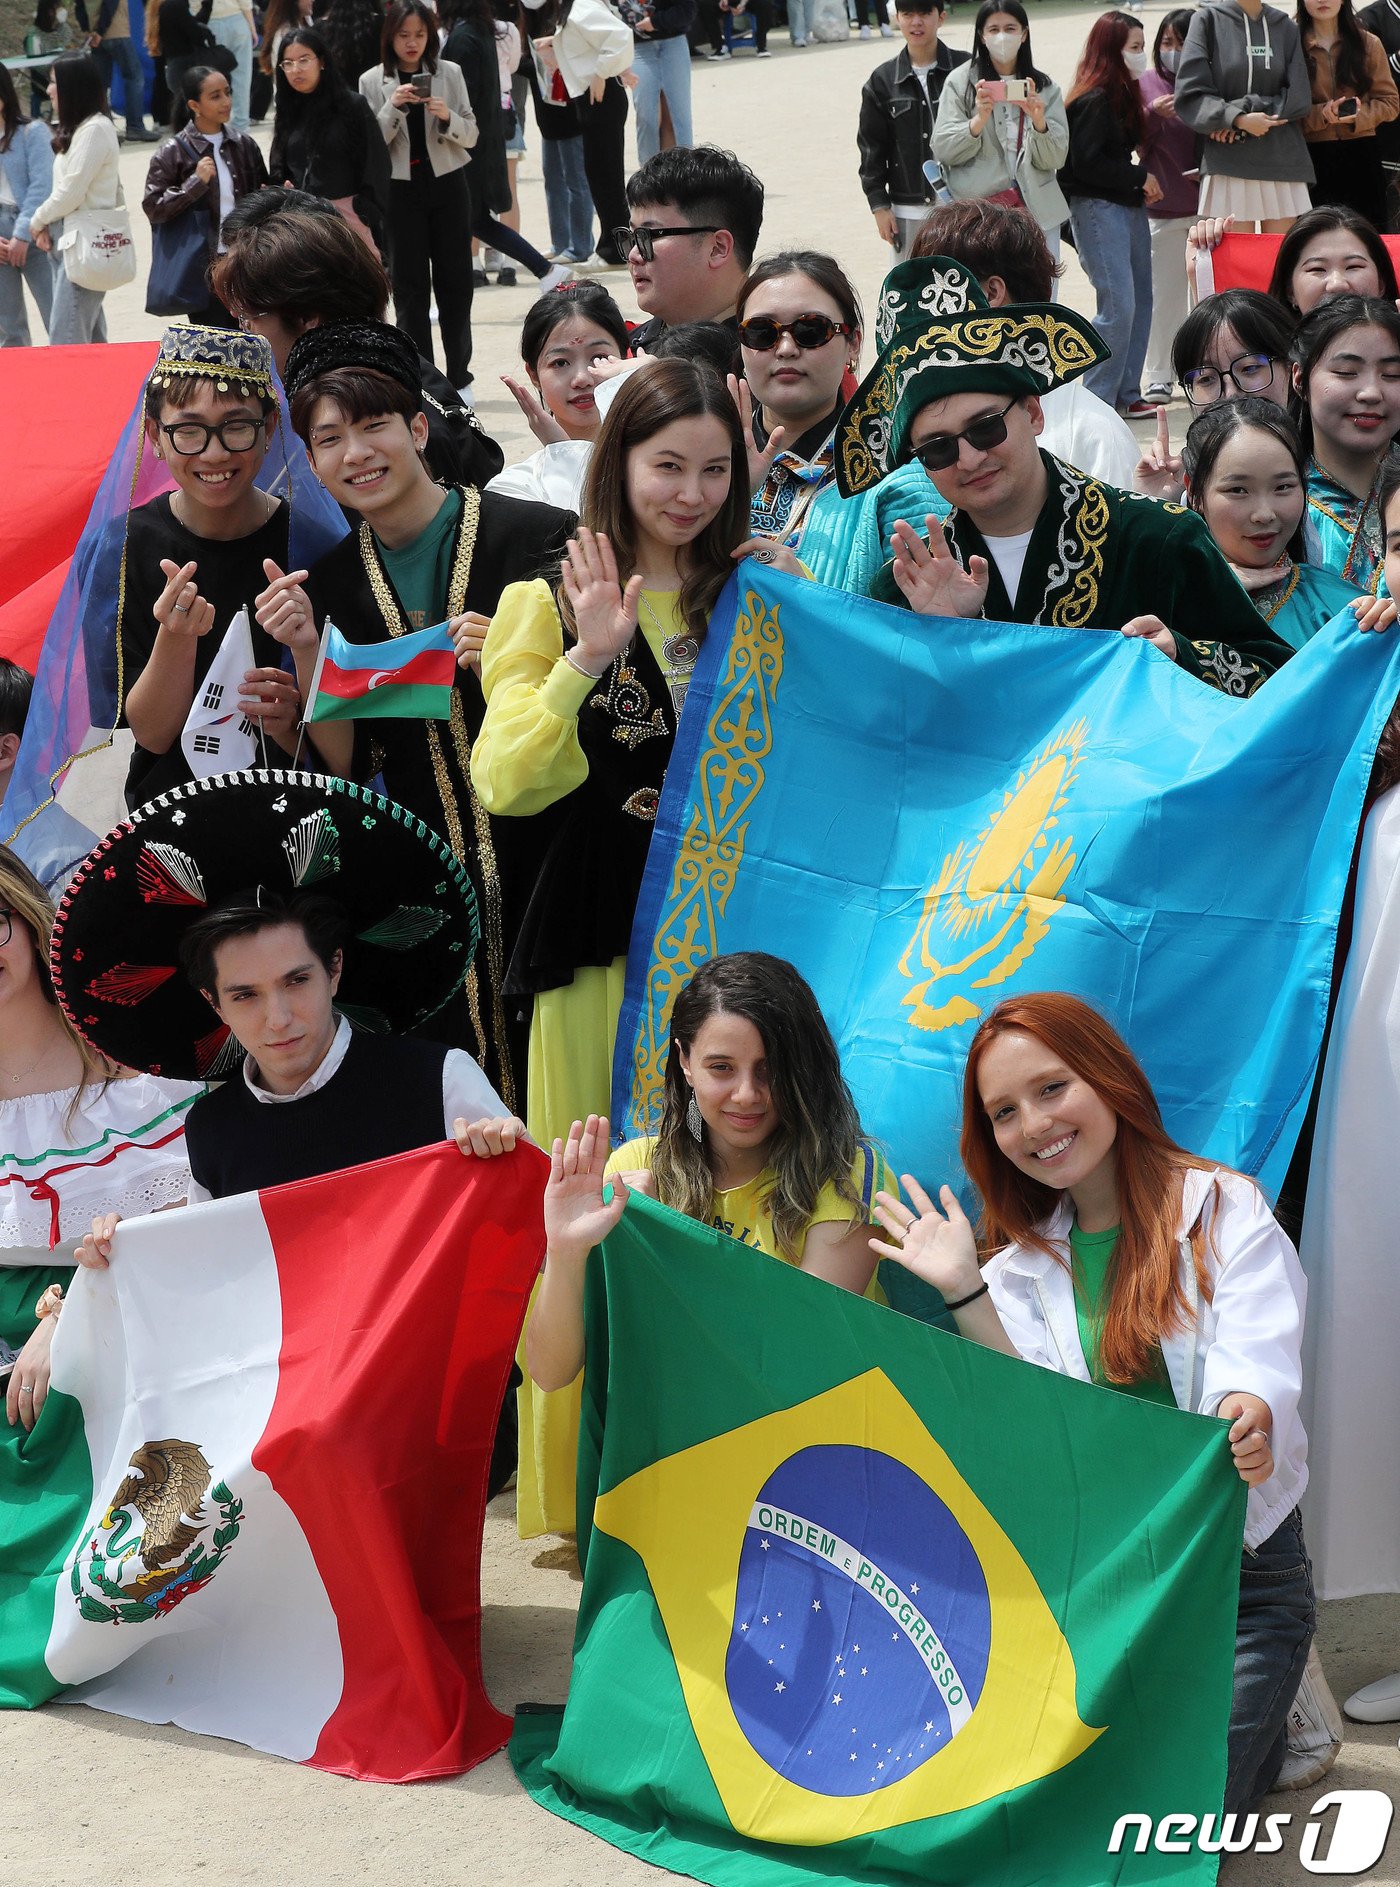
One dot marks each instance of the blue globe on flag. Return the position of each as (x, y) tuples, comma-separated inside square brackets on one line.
[(862, 1622)]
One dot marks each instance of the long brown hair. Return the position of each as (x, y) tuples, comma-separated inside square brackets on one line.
[(1145, 1294), (29, 904), (654, 397), (818, 1135)]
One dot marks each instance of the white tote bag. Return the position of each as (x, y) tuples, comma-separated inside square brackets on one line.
[(97, 248)]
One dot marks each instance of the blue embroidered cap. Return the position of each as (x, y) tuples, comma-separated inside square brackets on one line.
[(235, 362)]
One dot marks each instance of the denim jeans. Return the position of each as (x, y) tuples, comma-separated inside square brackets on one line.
[(77, 316), (567, 195), (1115, 250), (233, 33), (121, 53), (661, 65), (1277, 1618), (38, 272), (799, 21)]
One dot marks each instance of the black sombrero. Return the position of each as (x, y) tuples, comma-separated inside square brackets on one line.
[(411, 919)]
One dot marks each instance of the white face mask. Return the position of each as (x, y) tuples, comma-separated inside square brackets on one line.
[(1136, 62), (60, 15), (1171, 58), (1002, 46)]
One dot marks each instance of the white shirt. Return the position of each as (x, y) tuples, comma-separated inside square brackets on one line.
[(1009, 556), (225, 178), (1085, 432), (1248, 1337), (466, 1093)]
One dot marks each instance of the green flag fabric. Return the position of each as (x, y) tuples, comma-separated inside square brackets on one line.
[(866, 1602)]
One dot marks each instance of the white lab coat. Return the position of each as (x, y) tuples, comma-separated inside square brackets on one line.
[(1248, 1337)]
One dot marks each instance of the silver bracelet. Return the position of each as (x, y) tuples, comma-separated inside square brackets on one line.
[(579, 668)]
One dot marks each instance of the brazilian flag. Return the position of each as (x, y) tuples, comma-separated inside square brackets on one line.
[(866, 1602)]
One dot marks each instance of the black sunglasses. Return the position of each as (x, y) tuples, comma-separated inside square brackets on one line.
[(941, 451), (762, 334), (646, 238)]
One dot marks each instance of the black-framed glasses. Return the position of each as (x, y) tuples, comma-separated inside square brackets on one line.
[(941, 451), (646, 238), (1249, 373), (189, 437), (808, 331)]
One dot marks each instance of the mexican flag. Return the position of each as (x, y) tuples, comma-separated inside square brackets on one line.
[(267, 1443), (408, 678), (865, 1602)]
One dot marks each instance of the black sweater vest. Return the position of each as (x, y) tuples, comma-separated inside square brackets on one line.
[(385, 1098)]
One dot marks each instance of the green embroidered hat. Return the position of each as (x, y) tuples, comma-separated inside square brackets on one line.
[(938, 334), (234, 361), (410, 919)]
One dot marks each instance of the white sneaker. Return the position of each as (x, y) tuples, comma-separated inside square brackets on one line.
[(1378, 1702), (558, 274), (887, 32), (865, 33), (1314, 1730)]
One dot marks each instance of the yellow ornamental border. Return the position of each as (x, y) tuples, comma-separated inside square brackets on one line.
[(729, 778)]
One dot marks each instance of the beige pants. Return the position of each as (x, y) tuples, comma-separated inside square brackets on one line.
[(1168, 295)]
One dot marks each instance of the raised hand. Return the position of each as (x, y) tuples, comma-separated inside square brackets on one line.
[(180, 610), (1159, 472), (283, 609), (930, 576), (605, 615), (576, 1218), (938, 1247), (760, 458), (538, 418)]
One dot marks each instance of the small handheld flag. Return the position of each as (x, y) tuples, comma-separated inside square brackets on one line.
[(218, 737), (409, 678)]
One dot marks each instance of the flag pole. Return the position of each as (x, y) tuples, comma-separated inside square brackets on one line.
[(310, 701)]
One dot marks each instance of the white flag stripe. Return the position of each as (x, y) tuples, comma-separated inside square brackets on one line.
[(315, 688), (179, 1340), (214, 738)]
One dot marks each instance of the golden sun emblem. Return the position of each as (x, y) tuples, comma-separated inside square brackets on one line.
[(996, 894)]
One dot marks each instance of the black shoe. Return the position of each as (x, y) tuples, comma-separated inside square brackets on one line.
[(141, 135), (505, 278), (479, 278)]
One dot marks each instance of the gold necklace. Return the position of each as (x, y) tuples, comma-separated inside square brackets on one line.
[(22, 1072)]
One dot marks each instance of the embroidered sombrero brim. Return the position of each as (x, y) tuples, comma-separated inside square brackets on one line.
[(1029, 348), (410, 913)]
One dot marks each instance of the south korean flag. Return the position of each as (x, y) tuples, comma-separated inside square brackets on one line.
[(218, 737)]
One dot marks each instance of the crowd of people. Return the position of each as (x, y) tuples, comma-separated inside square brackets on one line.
[(748, 412)]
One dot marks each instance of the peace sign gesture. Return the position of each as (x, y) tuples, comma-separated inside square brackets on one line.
[(1159, 472), (605, 615)]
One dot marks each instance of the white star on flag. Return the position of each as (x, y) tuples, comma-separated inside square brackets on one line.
[(216, 738)]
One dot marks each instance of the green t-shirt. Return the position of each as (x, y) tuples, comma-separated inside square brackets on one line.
[(421, 572), (1091, 1253)]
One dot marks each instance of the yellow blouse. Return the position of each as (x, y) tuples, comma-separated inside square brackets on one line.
[(527, 755), (744, 1212)]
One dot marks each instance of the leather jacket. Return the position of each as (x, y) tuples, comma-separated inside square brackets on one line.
[(896, 128), (172, 188)]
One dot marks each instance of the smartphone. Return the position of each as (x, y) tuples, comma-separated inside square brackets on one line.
[(422, 83), (1347, 107)]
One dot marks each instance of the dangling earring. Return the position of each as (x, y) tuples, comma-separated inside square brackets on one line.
[(693, 1120)]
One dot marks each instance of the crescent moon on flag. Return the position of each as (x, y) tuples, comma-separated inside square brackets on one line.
[(379, 676)]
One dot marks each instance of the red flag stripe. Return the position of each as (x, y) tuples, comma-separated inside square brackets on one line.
[(432, 668)]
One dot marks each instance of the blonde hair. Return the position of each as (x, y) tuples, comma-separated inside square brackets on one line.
[(26, 900)]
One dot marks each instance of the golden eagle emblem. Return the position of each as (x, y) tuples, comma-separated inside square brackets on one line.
[(993, 898), (148, 1552)]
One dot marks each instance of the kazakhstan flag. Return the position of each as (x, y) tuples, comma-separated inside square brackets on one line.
[(928, 815), (832, 1627)]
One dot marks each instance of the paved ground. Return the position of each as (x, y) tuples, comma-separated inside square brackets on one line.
[(92, 1797)]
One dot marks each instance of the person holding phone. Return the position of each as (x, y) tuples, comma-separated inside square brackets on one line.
[(1353, 95), (1001, 130), (425, 114)]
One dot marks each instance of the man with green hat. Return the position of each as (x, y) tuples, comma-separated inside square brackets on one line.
[(957, 385)]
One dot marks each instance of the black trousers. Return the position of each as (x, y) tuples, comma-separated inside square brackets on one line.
[(604, 127), (432, 255)]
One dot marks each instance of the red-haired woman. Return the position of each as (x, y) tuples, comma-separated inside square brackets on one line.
[(1124, 1260), (1108, 190)]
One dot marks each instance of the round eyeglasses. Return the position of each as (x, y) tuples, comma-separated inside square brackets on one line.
[(190, 438), (762, 334), (1250, 373)]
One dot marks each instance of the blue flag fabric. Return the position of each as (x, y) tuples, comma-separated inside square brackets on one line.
[(927, 815)]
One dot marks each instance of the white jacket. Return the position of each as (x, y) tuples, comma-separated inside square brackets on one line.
[(1247, 1338), (593, 43), (448, 144), (87, 176)]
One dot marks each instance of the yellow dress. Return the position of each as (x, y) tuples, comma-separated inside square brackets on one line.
[(528, 757)]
